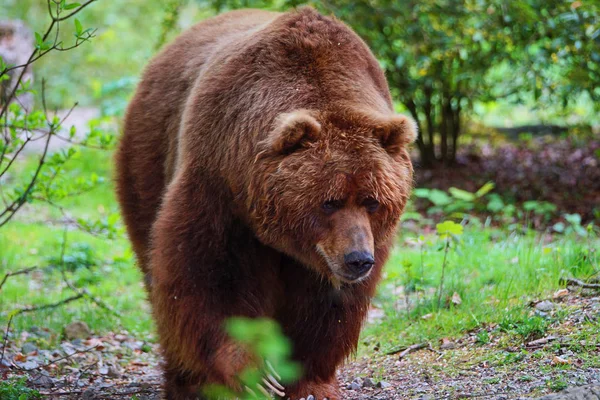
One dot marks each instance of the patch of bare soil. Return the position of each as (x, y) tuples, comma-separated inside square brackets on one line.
[(119, 366)]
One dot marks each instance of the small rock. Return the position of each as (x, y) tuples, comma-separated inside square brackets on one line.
[(113, 372), (28, 348), (447, 344), (77, 330), (545, 306), (29, 365), (368, 382), (88, 394), (43, 381), (383, 384), (355, 386)]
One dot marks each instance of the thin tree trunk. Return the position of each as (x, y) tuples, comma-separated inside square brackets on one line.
[(410, 104), (444, 127), (455, 128), (428, 110)]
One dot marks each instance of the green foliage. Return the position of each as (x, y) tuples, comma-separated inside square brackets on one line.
[(557, 384), (483, 337), (263, 339), (526, 326), (458, 203), (16, 389)]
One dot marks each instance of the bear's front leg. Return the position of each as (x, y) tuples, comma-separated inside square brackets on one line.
[(205, 269), (323, 324)]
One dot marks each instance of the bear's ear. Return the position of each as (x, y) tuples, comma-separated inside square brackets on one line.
[(395, 132), (291, 130)]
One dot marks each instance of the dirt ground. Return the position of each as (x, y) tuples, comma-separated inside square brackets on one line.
[(119, 366)]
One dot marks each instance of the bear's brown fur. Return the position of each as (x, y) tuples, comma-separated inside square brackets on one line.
[(260, 172)]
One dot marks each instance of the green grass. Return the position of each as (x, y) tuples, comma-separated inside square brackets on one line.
[(496, 273), (105, 267)]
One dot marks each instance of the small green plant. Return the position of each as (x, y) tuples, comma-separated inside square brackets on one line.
[(527, 327), (483, 337), (542, 208), (449, 232), (557, 384), (264, 340), (16, 389)]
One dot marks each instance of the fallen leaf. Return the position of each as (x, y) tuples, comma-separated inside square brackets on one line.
[(559, 361), (559, 294), (456, 300)]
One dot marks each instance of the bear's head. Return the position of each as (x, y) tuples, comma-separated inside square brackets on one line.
[(329, 188)]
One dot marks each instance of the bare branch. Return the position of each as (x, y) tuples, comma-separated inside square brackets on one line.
[(6, 337), (15, 273), (582, 284)]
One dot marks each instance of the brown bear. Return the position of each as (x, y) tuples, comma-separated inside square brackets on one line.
[(262, 173)]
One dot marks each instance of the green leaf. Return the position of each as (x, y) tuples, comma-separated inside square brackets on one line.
[(439, 198), (39, 41), (485, 189), (447, 228), (78, 27), (461, 194), (72, 6)]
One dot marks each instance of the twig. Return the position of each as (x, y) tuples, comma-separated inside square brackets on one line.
[(430, 348), (582, 284), (412, 349), (50, 305), (541, 342), (396, 350), (51, 394), (474, 395), (18, 203), (6, 337), (19, 272)]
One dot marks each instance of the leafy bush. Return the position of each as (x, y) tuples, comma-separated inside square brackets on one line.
[(263, 339), (16, 389)]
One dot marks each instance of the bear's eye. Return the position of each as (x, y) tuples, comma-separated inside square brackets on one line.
[(331, 206), (371, 204)]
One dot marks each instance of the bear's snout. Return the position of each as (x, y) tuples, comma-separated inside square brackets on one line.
[(359, 263)]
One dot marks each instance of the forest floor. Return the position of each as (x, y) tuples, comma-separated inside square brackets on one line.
[(119, 366)]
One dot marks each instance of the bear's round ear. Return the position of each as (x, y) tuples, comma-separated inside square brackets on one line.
[(291, 130), (395, 132)]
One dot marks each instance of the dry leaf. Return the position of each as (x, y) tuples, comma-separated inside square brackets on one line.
[(456, 300), (560, 361), (559, 294)]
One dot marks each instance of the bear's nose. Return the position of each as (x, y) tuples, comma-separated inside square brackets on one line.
[(359, 262)]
